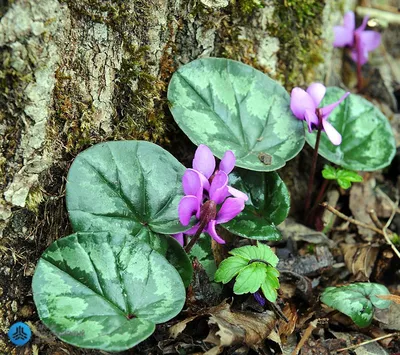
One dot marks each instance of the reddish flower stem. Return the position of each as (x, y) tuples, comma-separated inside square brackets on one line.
[(314, 166), (359, 73), (196, 237), (318, 200)]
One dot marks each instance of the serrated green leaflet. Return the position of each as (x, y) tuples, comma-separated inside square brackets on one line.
[(329, 172), (129, 187), (357, 300), (343, 177), (228, 105), (103, 291), (367, 139), (254, 267), (268, 205)]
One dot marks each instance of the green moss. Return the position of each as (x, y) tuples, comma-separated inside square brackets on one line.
[(34, 199), (247, 7), (297, 25)]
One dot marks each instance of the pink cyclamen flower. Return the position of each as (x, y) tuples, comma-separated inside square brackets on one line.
[(360, 41), (304, 105), (206, 188)]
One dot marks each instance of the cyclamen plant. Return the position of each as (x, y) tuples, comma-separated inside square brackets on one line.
[(121, 272), (358, 40)]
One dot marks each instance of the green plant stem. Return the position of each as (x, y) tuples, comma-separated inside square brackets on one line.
[(196, 237), (313, 168)]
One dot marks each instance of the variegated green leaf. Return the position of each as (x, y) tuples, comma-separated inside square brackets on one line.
[(129, 187), (268, 205), (104, 291), (357, 300), (367, 139), (228, 105), (203, 253)]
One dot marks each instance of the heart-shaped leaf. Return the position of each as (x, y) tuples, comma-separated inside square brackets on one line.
[(129, 187), (103, 291), (357, 300), (367, 139), (202, 251), (228, 105), (268, 205)]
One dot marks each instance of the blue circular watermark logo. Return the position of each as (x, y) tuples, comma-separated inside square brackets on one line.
[(19, 333)]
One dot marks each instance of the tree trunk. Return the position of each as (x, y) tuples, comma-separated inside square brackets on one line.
[(78, 72)]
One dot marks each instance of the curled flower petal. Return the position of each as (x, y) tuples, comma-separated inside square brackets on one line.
[(228, 162), (219, 187), (370, 40), (236, 193), (349, 20), (178, 237), (204, 161), (192, 184), (188, 206), (343, 37), (193, 230), (311, 119), (363, 25), (229, 209), (333, 135), (210, 229), (317, 92), (300, 101), (326, 111)]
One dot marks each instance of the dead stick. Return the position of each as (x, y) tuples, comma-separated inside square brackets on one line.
[(305, 336), (351, 220), (374, 218), (368, 342), (384, 230)]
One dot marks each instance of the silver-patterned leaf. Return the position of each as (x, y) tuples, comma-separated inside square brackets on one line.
[(103, 291), (228, 105)]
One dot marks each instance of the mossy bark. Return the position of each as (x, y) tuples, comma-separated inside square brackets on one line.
[(77, 72)]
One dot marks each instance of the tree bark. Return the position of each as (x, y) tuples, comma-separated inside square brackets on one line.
[(77, 72)]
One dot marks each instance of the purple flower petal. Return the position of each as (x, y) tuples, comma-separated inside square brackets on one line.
[(192, 184), (236, 193), (326, 111), (229, 209), (204, 161), (228, 162), (219, 188), (188, 206), (204, 181), (210, 229), (370, 40), (259, 298), (343, 37), (193, 230), (363, 25), (311, 119), (317, 92), (363, 57), (300, 101), (333, 135), (178, 237), (349, 20)]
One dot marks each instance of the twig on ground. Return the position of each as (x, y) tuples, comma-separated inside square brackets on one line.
[(368, 342), (382, 231), (305, 336)]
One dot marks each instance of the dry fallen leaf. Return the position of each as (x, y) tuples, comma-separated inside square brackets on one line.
[(285, 329), (360, 259), (229, 328)]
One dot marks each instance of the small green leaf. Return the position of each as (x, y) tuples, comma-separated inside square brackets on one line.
[(103, 291), (229, 268), (329, 172), (367, 144), (261, 251), (357, 300), (250, 278), (268, 205), (351, 176), (343, 183), (254, 267), (228, 105)]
